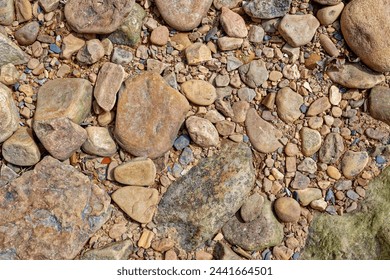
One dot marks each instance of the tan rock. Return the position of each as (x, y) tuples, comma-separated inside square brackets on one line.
[(10, 52), (8, 114), (199, 92), (233, 23), (163, 245), (146, 238), (9, 75), (202, 255), (70, 45), (287, 209), (229, 43), (181, 41), (353, 163), (328, 15), (226, 3), (379, 104), (329, 46), (252, 207), (288, 104), (160, 36), (202, 131), (319, 204), (318, 106), (333, 172), (311, 141), (306, 196), (298, 30), (49, 5), (7, 12), (91, 52), (197, 54), (99, 142), (23, 10), (138, 172)]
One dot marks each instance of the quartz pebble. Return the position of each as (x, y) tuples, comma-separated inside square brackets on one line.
[(308, 195), (99, 142)]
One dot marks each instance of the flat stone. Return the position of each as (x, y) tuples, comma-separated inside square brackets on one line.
[(288, 104), (233, 24), (306, 196), (329, 15), (10, 52), (333, 172), (300, 181), (261, 233), (318, 106), (70, 45), (27, 34), (225, 128), (198, 204), (9, 74), (354, 76), (308, 165), (229, 43), (138, 202), (202, 131), (319, 204), (287, 209), (256, 34), (311, 141), (149, 115), (6, 175), (137, 172), (266, 9), (114, 251), (332, 148), (334, 95), (199, 92), (197, 54), (233, 63), (181, 41), (91, 52), (160, 36), (252, 207), (254, 74), (99, 142), (183, 15), (20, 149), (298, 30), (49, 5), (7, 12), (329, 46), (240, 110), (353, 163), (379, 104), (87, 16), (108, 83), (53, 211), (263, 135), (8, 114)]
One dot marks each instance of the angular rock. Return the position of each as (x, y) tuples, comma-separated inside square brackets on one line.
[(121, 56), (287, 209), (137, 172), (252, 207), (288, 104), (332, 148), (103, 17), (91, 52), (114, 251), (50, 212), (8, 114), (27, 34), (198, 204), (311, 141), (300, 181), (160, 36), (353, 163), (308, 165), (199, 92), (99, 142), (254, 74), (70, 45), (149, 115), (256, 34), (233, 24), (9, 74), (10, 52), (7, 12), (202, 131), (308, 195), (379, 104), (197, 53), (229, 43), (266, 9), (298, 30), (49, 5)]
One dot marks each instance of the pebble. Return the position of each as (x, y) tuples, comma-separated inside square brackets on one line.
[(288, 103), (49, 5), (182, 142), (9, 74), (246, 94), (311, 141), (251, 209), (308, 165), (226, 3), (55, 49), (379, 104), (170, 255), (330, 196), (186, 157), (8, 114), (291, 149), (300, 181), (91, 52), (328, 2), (256, 34), (27, 34), (70, 45), (266, 9), (318, 106), (99, 142), (202, 255), (332, 148), (202, 131), (160, 36), (23, 10), (146, 238), (114, 251), (11, 53), (287, 209), (199, 92), (377, 133), (352, 195), (330, 14), (380, 160), (137, 172), (7, 12), (233, 63), (298, 30), (319, 204), (181, 41), (308, 195), (353, 163), (121, 56), (240, 110), (329, 46), (197, 54), (333, 172), (343, 185), (163, 245), (254, 74), (334, 95), (233, 24), (229, 43), (225, 127), (312, 61)]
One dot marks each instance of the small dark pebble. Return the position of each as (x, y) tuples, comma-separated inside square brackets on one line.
[(55, 49), (338, 36), (181, 142), (355, 141), (176, 170), (211, 34), (266, 254), (380, 160), (296, 196), (330, 197), (267, 38), (16, 86), (288, 192), (245, 139), (27, 70), (303, 108), (295, 256), (186, 156)]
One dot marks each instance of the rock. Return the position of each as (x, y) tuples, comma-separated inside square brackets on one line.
[(70, 45), (308, 165), (263, 136), (379, 104), (225, 128), (252, 207), (138, 202), (202, 132), (114, 251), (328, 15), (266, 9), (149, 115), (91, 52), (10, 52), (197, 53), (137, 172), (7, 12), (354, 76), (229, 43), (287, 209), (256, 34), (340, 237), (328, 2), (333, 172), (9, 74), (156, 66), (298, 30), (319, 106), (27, 34), (288, 104), (223, 252), (160, 36), (311, 141), (6, 175), (87, 16), (334, 95), (353, 163), (8, 114), (99, 142), (254, 74), (300, 181), (291, 149), (49, 5), (233, 63), (308, 195), (329, 46), (163, 245), (23, 10), (367, 35), (121, 56), (257, 235), (282, 253), (312, 61), (233, 24), (202, 255), (198, 204), (181, 142), (240, 110), (199, 92), (319, 204), (378, 133), (53, 212), (108, 83), (332, 148), (183, 15), (226, 3), (181, 41), (20, 149)]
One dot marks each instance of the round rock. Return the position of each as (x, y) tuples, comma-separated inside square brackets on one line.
[(288, 104), (199, 92), (287, 209), (27, 34), (160, 36), (298, 30), (233, 23), (311, 141), (353, 163), (379, 104), (202, 132), (254, 74)]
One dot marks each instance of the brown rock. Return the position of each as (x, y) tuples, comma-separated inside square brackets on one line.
[(163, 245), (202, 131), (8, 114), (49, 5), (199, 92), (23, 10), (298, 30), (99, 142), (319, 106), (7, 12), (328, 15), (27, 34), (288, 104), (311, 61), (229, 43), (233, 23), (252, 207), (329, 46), (311, 141), (137, 172), (91, 52), (197, 53), (353, 163), (287, 209), (332, 148), (70, 45), (160, 36), (308, 195), (328, 2), (226, 3), (379, 104)]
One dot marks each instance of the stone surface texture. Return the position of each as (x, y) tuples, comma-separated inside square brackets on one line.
[(10, 52), (266, 9), (8, 114)]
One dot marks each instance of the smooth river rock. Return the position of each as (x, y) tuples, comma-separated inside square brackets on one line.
[(7, 12), (8, 114), (379, 104), (298, 30), (266, 9), (288, 104)]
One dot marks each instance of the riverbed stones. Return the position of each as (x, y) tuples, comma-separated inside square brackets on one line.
[(70, 45), (23, 9), (197, 54), (311, 141), (332, 148), (266, 9), (287, 209), (353, 163), (199, 92), (8, 114), (53, 212), (88, 16), (254, 74), (149, 115), (202, 131), (226, 3), (379, 104), (99, 142), (233, 23), (10, 52), (308, 195), (298, 30), (27, 34), (160, 36), (114, 251), (91, 52), (9, 74), (7, 12), (288, 104), (49, 5), (328, 15), (367, 35), (198, 204), (137, 172), (252, 207)]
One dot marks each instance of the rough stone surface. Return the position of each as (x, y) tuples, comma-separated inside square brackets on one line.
[(266, 9), (10, 52), (9, 74), (7, 12), (233, 24), (379, 104), (197, 54), (223, 252), (254, 74), (160, 36), (287, 209), (70, 45), (328, 2), (226, 3), (99, 142), (288, 104), (202, 131), (199, 92), (91, 52), (137, 172), (50, 212), (252, 207), (49, 5), (298, 30), (114, 251), (23, 10), (149, 115), (332, 148), (308, 195), (300, 181), (201, 202), (8, 114), (229, 43), (311, 141), (27, 34), (353, 163)]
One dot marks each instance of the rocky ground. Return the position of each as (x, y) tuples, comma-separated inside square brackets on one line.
[(220, 129)]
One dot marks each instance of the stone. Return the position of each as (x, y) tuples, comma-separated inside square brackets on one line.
[(246, 94), (254, 74), (114, 251), (298, 30), (154, 65), (8, 114), (263, 136), (328, 2), (170, 255), (202, 255), (23, 10), (182, 142), (199, 92), (160, 36), (197, 54), (49, 5), (266, 9), (7, 12), (353, 163), (198, 204), (379, 104), (223, 252), (229, 43), (306, 196), (329, 46), (99, 142), (121, 56), (311, 141), (149, 115), (319, 204), (108, 83), (377, 133), (287, 209), (312, 60), (9, 74), (20, 149), (27, 34), (226, 3), (146, 238), (288, 104), (10, 52), (308, 165), (6, 175), (252, 207), (202, 132), (240, 110), (91, 52), (332, 148), (330, 14), (233, 24), (300, 181), (70, 45), (54, 211), (291, 149), (137, 172), (138, 202), (225, 128), (87, 16), (334, 95), (333, 172), (261, 233), (233, 63), (183, 15), (318, 106), (367, 35), (163, 245), (256, 34), (181, 41), (354, 76), (282, 253)]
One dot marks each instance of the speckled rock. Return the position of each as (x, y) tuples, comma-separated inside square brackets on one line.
[(252, 207), (99, 142), (379, 104), (10, 52), (233, 24), (298, 30), (266, 9), (114, 251), (49, 5), (137, 172), (202, 131), (328, 2), (91, 52), (7, 12), (197, 54), (287, 209), (308, 195), (353, 163), (332, 148), (328, 15), (27, 34), (199, 92), (226, 3), (318, 106), (8, 114), (311, 141)]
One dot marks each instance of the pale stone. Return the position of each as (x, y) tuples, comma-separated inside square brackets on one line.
[(137, 172), (306, 196), (197, 54), (353, 163), (298, 30), (99, 142), (311, 141), (199, 92), (288, 104), (8, 114), (202, 131)]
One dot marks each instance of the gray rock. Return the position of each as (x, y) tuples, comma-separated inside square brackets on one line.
[(91, 52), (49, 5), (266, 9), (114, 251), (27, 34), (300, 181), (254, 74), (252, 207), (308, 165), (10, 52), (121, 56), (7, 12), (201, 202), (332, 148), (379, 104), (8, 114)]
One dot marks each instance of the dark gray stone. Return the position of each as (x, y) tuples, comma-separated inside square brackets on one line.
[(266, 9)]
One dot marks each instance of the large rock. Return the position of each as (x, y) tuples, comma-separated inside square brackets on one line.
[(149, 115), (365, 25), (50, 212), (101, 17), (10, 52), (364, 235), (183, 15), (201, 202), (266, 9), (8, 114), (379, 104), (7, 12)]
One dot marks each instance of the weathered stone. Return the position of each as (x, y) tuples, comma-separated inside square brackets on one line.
[(8, 114), (202, 131), (298, 30), (223, 252), (199, 92), (6, 175), (254, 74), (308, 195), (70, 45), (353, 163), (328, 15), (328, 2), (149, 115), (240, 110), (91, 52), (114, 251), (252, 207), (332, 148), (50, 212), (300, 181), (308, 165), (266, 9), (9, 74), (197, 53), (7, 12), (256, 34), (23, 10), (229, 43), (163, 245), (329, 46), (27, 34), (121, 56), (226, 3), (201, 202), (311, 141), (233, 24), (138, 172), (99, 142), (160, 36), (288, 104), (49, 5), (287, 209), (379, 104), (10, 52)]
